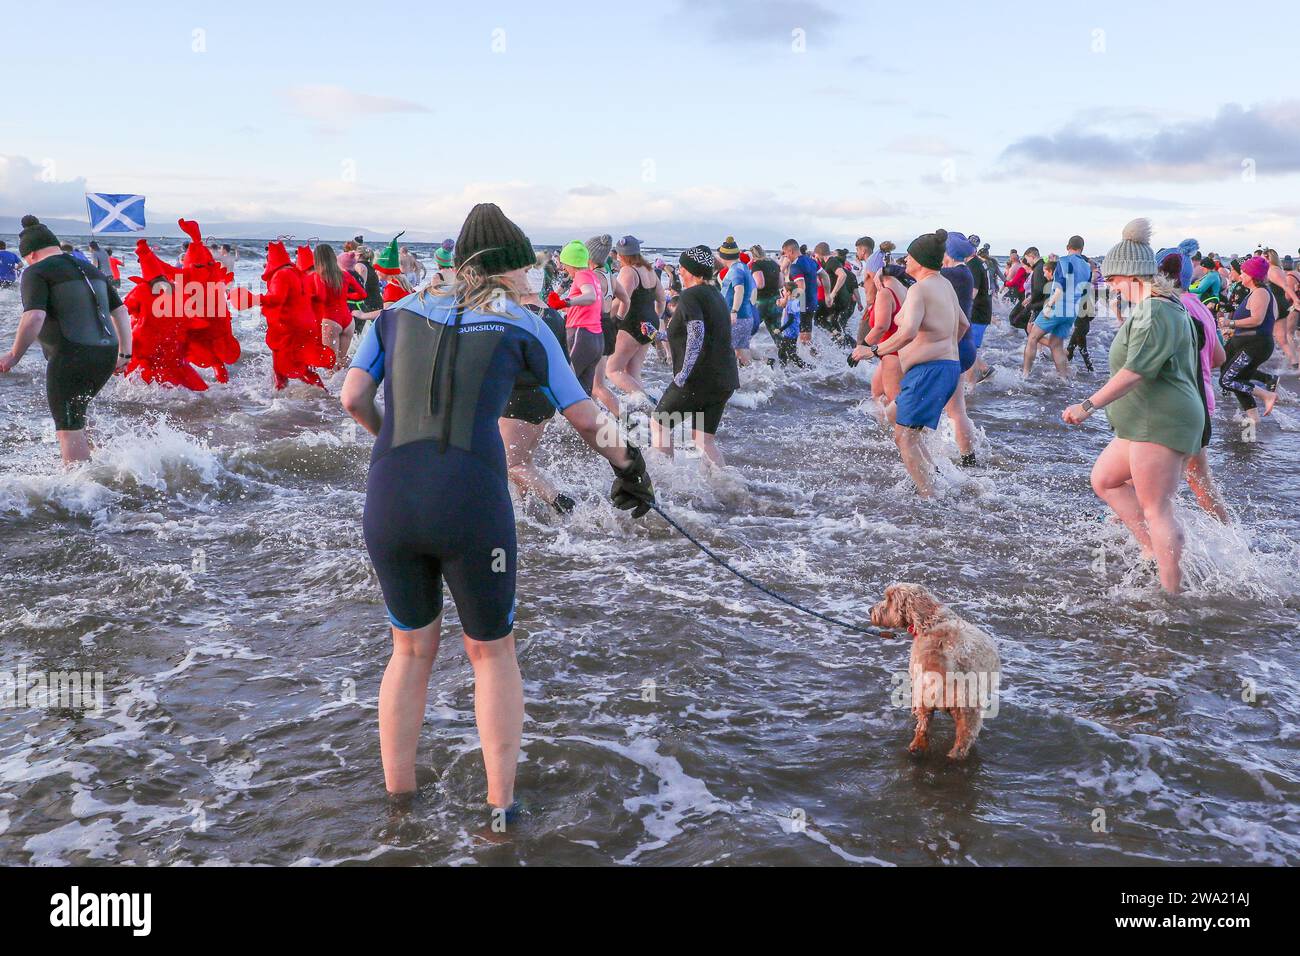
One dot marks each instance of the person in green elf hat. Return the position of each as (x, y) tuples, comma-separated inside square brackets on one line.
[(445, 258)]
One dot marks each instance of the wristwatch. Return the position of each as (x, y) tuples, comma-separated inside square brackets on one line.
[(874, 350), (1087, 406)]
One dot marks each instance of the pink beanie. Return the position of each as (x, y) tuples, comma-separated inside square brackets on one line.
[(1256, 267), (347, 260)]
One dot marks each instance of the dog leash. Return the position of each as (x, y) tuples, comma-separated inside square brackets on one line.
[(754, 584)]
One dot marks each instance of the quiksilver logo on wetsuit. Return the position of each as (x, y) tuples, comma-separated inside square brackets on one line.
[(482, 327)]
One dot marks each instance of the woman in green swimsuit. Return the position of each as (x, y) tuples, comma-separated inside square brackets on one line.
[(1152, 400)]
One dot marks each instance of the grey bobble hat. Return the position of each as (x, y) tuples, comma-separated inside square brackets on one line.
[(1132, 255), (598, 248)]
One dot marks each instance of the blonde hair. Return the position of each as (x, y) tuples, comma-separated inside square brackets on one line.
[(470, 287)]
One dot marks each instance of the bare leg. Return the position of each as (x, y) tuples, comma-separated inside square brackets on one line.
[(345, 344), (521, 440), (402, 696), (73, 446), (1202, 484), (1031, 347), (1157, 472), (661, 436), (329, 335), (600, 390), (499, 712), (962, 428), (1112, 481), (1057, 346), (915, 459), (619, 366), (708, 446)]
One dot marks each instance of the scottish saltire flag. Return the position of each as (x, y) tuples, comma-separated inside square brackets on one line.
[(110, 212)]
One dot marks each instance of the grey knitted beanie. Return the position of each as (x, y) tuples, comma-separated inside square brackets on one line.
[(1132, 255)]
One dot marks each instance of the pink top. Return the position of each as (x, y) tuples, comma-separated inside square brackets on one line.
[(584, 316), (1197, 310)]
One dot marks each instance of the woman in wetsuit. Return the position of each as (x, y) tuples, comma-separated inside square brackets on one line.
[(83, 328), (1250, 342), (646, 299), (437, 496)]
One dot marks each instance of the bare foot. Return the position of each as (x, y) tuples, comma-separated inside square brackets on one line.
[(1270, 399)]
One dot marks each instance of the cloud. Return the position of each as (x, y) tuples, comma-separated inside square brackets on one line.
[(26, 187), (1265, 137), (591, 191), (329, 104), (920, 145), (765, 20)]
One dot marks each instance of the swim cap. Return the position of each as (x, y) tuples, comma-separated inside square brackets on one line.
[(698, 261), (729, 251), (959, 247), (1256, 267), (535, 279), (575, 254), (928, 249)]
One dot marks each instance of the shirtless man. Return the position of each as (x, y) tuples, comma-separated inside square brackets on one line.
[(227, 256), (411, 266), (929, 326)]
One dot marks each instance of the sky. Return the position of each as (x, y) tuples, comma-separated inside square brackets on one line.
[(678, 122)]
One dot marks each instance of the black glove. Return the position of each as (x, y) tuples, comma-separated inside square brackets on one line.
[(632, 490)]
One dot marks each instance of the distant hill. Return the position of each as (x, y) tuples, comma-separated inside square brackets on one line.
[(80, 228)]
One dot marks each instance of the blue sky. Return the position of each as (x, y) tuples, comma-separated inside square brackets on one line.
[(680, 122)]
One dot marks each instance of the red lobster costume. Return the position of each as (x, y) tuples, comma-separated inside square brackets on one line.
[(292, 329), (212, 343), (159, 327)]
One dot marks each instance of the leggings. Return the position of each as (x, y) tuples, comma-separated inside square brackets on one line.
[(1240, 373), (586, 349)]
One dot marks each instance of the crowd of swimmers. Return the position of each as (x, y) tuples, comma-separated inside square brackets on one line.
[(477, 355)]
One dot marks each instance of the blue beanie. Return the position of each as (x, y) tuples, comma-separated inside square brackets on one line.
[(1185, 273), (959, 247)]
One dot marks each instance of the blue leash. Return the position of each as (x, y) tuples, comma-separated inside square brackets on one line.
[(754, 584)]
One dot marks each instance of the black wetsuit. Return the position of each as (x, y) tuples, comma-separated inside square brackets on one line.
[(839, 310), (78, 338)]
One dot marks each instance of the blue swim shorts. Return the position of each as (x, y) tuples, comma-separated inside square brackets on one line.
[(926, 390)]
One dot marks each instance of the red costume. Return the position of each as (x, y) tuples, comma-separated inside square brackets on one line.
[(212, 343), (159, 328), (292, 329)]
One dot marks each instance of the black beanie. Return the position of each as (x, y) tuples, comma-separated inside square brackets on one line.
[(34, 236), (698, 261), (928, 249), (493, 242)]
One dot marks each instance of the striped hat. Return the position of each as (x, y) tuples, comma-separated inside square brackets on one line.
[(729, 251)]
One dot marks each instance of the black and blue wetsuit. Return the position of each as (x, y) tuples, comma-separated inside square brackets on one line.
[(438, 499)]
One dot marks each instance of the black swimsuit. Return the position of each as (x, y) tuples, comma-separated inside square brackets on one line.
[(641, 310)]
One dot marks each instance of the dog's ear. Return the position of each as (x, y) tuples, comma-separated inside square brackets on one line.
[(917, 603)]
